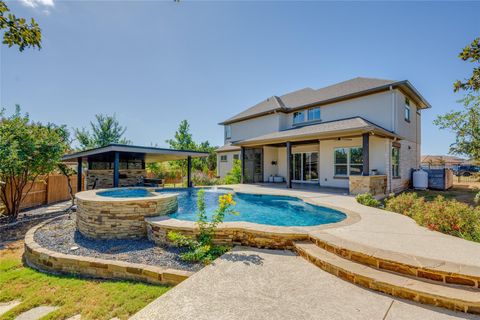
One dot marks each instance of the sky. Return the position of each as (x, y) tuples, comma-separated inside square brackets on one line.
[(156, 63)]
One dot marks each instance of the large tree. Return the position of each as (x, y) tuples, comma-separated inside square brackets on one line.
[(17, 31), (466, 125), (28, 150), (471, 53), (104, 131)]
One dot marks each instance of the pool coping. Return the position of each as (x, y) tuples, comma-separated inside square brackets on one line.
[(46, 260)]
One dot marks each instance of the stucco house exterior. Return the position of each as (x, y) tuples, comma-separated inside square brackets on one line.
[(363, 134)]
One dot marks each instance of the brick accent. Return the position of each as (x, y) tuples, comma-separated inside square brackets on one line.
[(375, 185)]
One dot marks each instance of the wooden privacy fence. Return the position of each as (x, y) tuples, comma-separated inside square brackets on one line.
[(50, 189)]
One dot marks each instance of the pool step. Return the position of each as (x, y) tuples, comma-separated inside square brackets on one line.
[(423, 268), (452, 297)]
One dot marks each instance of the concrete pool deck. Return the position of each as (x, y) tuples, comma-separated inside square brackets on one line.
[(276, 284)]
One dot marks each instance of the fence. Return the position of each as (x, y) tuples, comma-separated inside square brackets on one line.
[(51, 189)]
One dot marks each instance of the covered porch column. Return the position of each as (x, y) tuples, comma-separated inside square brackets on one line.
[(289, 164), (242, 159), (79, 174), (366, 154), (189, 172), (116, 169)]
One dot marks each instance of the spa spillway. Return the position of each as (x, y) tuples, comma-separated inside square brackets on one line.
[(120, 213)]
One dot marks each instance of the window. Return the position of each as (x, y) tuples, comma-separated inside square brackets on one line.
[(223, 158), (395, 161), (236, 156), (314, 114), (298, 117), (228, 132), (348, 161), (305, 166), (407, 110)]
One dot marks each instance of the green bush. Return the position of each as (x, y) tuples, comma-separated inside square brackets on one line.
[(202, 248), (477, 198), (446, 216), (367, 200), (234, 176)]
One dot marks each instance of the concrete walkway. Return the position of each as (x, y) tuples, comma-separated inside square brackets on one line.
[(269, 284), (382, 229)]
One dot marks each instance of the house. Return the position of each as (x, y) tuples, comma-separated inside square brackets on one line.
[(363, 134), (429, 161)]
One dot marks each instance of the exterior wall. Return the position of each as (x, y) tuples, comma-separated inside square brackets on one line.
[(255, 127), (270, 154), (224, 167), (407, 130), (105, 178), (408, 160)]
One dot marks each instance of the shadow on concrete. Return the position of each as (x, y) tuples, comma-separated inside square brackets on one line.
[(247, 259)]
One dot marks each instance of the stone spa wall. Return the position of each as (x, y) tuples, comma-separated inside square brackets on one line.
[(119, 218)]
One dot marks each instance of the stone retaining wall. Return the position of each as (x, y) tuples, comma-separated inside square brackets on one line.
[(104, 218), (54, 262), (230, 236), (128, 177)]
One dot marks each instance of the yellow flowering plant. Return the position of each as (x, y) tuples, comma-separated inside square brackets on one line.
[(202, 247)]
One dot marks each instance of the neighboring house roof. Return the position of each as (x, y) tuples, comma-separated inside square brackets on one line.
[(341, 91), (336, 129), (227, 148), (150, 154), (442, 159)]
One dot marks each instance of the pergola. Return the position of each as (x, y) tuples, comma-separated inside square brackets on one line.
[(115, 155)]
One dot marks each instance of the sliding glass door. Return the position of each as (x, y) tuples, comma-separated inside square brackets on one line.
[(305, 166), (253, 165)]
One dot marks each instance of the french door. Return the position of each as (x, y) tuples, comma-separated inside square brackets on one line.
[(305, 166), (253, 165)]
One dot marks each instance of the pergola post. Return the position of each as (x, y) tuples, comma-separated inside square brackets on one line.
[(289, 164), (366, 154), (79, 174), (116, 169), (189, 171), (242, 159)]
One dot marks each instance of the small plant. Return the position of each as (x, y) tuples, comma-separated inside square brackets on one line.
[(234, 176), (201, 248), (368, 200)]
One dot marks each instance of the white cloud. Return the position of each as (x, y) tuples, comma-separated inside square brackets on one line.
[(37, 3)]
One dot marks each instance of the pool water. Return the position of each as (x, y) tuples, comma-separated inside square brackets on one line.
[(263, 209), (126, 193)]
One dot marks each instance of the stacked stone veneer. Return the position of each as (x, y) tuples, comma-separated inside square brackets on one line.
[(130, 177), (231, 236), (376, 185), (54, 262), (102, 218)]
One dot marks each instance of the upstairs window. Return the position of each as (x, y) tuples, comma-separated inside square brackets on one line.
[(407, 110), (395, 162), (228, 132), (223, 158), (298, 117), (314, 114)]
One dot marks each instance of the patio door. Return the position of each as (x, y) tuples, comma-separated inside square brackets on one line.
[(253, 165), (305, 167)]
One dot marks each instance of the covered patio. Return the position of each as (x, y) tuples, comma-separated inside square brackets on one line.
[(118, 165)]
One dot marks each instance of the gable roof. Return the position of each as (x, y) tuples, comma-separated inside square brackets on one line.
[(335, 128), (309, 97)]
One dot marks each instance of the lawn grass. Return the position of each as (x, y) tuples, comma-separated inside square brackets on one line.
[(93, 299), (461, 194)]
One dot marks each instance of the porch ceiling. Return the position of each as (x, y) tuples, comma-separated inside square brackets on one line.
[(326, 130)]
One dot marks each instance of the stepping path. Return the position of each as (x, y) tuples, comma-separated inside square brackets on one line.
[(36, 313), (7, 306), (271, 284)]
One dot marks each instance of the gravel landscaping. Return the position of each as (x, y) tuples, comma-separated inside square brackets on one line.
[(60, 235)]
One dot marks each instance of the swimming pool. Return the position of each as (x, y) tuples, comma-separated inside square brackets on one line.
[(262, 209)]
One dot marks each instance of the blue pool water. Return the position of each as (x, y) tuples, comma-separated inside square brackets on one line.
[(126, 193), (263, 209)]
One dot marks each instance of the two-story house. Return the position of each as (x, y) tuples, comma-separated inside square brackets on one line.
[(363, 134)]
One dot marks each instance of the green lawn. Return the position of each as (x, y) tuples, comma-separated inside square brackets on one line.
[(93, 299), (461, 194)]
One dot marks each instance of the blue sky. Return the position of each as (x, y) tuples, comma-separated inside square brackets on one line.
[(155, 63)]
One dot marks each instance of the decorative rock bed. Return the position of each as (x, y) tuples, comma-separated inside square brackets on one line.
[(119, 218), (108, 259)]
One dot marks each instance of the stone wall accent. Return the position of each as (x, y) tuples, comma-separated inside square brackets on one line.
[(230, 236), (119, 218), (46, 260), (375, 185), (105, 178)]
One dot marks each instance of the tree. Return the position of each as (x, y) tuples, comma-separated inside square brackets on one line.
[(28, 151), (234, 176), (466, 125), (17, 31), (472, 53), (104, 131)]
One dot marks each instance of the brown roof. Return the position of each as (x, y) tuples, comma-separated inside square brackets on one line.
[(309, 97), (228, 148), (335, 128), (442, 159)]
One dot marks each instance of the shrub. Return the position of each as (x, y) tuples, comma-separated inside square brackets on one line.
[(446, 216), (477, 198), (234, 176), (202, 248), (200, 178), (367, 200)]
